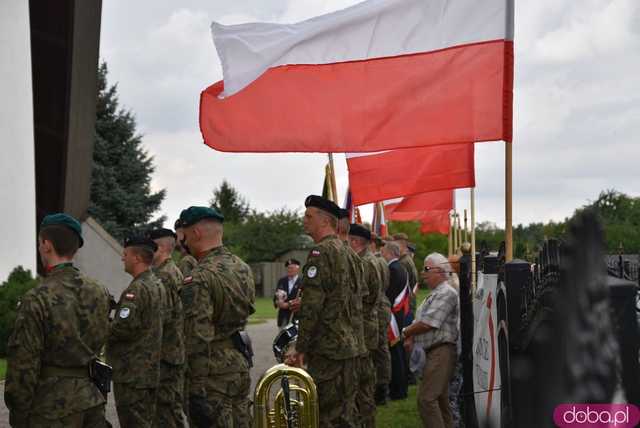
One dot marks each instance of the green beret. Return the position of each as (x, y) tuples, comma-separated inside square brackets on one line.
[(192, 215), (140, 241), (63, 220)]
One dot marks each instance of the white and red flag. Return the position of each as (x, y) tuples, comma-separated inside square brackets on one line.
[(380, 75), (396, 173)]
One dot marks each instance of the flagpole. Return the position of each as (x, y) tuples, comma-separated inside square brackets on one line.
[(334, 189), (473, 239), (508, 230), (466, 231), (450, 235), (455, 233)]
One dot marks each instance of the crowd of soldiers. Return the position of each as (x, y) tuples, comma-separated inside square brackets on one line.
[(175, 339)]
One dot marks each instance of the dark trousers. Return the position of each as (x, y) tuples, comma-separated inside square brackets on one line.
[(398, 386)]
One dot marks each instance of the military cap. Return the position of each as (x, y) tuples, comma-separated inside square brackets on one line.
[(66, 220), (162, 233), (344, 213), (322, 204), (177, 225), (359, 230), (411, 247), (140, 241), (291, 262), (400, 237), (192, 215)]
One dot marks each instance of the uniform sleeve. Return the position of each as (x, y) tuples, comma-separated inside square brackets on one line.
[(128, 319), (23, 360), (373, 283), (313, 298), (198, 306)]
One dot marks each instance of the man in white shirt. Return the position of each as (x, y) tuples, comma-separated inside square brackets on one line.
[(286, 298)]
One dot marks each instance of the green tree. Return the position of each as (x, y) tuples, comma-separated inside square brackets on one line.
[(17, 284), (230, 203), (121, 196)]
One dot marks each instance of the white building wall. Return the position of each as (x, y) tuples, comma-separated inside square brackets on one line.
[(100, 258), (17, 173)]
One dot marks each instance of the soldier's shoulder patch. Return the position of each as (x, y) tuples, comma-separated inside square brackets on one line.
[(124, 313), (130, 296), (312, 271), (315, 252), (188, 280)]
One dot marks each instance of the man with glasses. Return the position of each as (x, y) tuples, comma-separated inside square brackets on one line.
[(435, 329)]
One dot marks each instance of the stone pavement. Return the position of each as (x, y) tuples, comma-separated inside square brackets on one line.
[(262, 336)]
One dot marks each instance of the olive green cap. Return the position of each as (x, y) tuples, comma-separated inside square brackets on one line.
[(192, 215), (66, 220)]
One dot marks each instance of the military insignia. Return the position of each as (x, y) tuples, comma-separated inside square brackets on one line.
[(315, 252), (130, 296), (188, 280), (124, 313), (312, 272)]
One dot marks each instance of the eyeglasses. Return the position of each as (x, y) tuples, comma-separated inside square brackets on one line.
[(430, 268)]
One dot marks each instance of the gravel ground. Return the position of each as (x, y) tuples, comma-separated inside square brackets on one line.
[(262, 336)]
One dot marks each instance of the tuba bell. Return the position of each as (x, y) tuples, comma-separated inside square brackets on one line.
[(285, 396)]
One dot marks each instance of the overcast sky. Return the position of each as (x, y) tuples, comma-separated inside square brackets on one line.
[(576, 102)]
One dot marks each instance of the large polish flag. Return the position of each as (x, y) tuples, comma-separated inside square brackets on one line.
[(386, 175), (418, 207), (437, 221), (380, 75)]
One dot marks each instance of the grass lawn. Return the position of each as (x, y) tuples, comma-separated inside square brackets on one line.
[(400, 413), (3, 368), (264, 311)]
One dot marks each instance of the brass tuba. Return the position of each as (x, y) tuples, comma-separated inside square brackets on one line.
[(293, 405)]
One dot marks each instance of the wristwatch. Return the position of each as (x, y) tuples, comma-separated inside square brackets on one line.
[(403, 336)]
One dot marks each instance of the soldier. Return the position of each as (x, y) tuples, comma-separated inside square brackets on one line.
[(61, 326), (327, 338), (218, 298), (135, 341), (381, 356), (187, 261), (170, 392), (359, 238)]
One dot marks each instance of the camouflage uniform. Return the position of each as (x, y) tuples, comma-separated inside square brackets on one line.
[(186, 264), (134, 350), (218, 297), (367, 383), (381, 356), (170, 392), (61, 326), (327, 335)]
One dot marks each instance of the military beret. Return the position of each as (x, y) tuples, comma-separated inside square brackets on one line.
[(140, 241), (359, 230), (161, 233), (291, 262), (400, 237), (323, 204), (344, 213), (411, 247), (177, 225), (192, 215), (66, 220)]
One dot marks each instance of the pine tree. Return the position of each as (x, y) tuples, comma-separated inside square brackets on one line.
[(121, 197), (230, 203)]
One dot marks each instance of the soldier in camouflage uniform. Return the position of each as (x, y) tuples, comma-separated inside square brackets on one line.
[(170, 392), (359, 239), (61, 327), (135, 342), (327, 337), (381, 356), (187, 261), (217, 298)]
